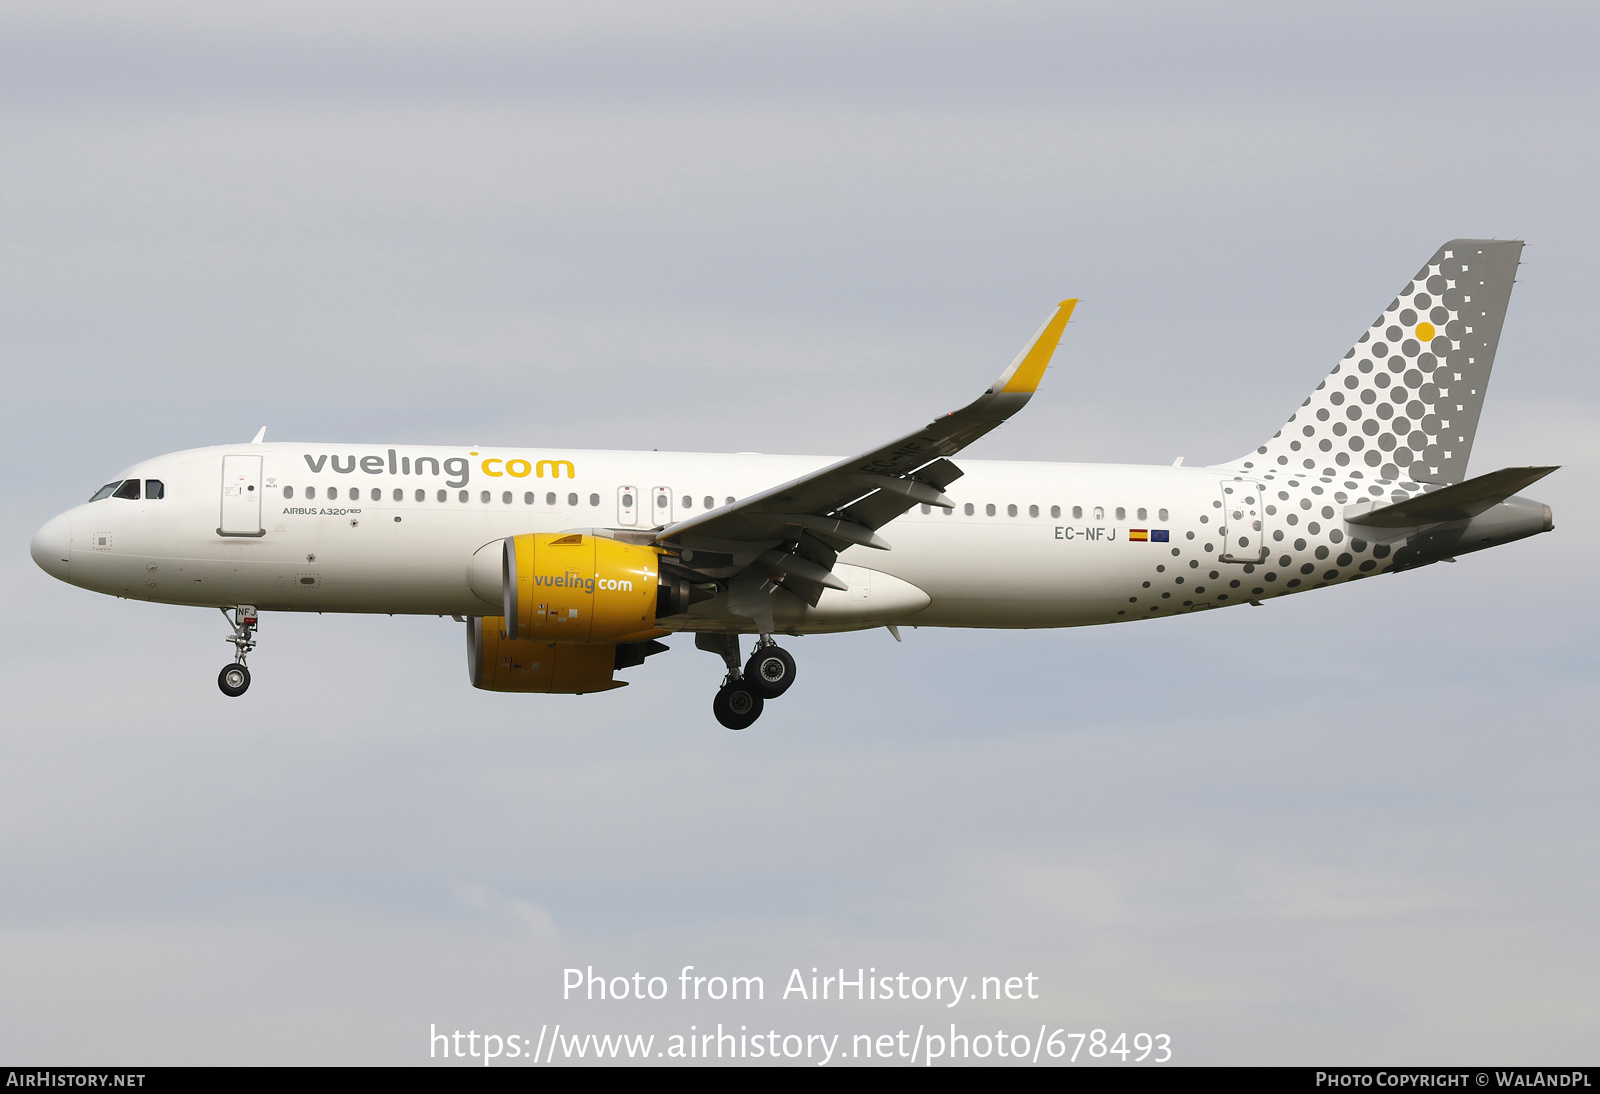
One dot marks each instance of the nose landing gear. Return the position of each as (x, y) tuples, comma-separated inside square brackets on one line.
[(234, 679), (743, 694)]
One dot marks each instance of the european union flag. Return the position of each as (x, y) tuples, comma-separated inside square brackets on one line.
[(1158, 535)]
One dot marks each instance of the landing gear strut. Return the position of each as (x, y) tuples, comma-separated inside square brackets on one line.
[(743, 694), (234, 679), (737, 704)]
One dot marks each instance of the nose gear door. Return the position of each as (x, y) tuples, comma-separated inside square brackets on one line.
[(1244, 535), (241, 496)]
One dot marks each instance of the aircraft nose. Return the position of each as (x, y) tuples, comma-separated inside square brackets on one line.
[(52, 547)]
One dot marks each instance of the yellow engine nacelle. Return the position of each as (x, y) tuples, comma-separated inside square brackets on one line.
[(577, 588), (498, 663)]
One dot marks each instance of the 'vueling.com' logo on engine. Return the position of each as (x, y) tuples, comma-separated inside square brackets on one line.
[(457, 467), (574, 580)]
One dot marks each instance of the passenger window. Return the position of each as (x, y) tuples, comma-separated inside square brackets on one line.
[(527, 499), (1055, 512), (1143, 515), (1122, 514), (594, 499), (549, 499), (688, 502), (711, 502), (128, 491), (465, 495), (505, 498), (1099, 512), (154, 490), (728, 502), (1011, 510), (926, 509), (444, 496), (1077, 512), (106, 491), (399, 494), (311, 493), (988, 510), (1161, 514), (483, 497), (1033, 510), (967, 509), (572, 499), (288, 493), (333, 493), (421, 495), (377, 494)]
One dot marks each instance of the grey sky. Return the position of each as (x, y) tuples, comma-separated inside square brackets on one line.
[(1350, 827)]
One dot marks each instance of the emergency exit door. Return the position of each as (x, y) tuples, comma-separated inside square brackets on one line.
[(661, 505), (627, 506), (241, 496)]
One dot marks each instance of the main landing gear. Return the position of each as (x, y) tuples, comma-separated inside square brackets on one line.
[(770, 669), (234, 679), (767, 675)]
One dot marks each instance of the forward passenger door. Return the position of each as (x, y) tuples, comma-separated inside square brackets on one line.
[(241, 496)]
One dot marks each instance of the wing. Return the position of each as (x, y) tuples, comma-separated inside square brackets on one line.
[(791, 534)]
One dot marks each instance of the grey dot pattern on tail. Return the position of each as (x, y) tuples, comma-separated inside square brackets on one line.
[(1403, 404), (1397, 415), (1309, 546)]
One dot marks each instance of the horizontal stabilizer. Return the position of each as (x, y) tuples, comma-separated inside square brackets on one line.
[(1463, 501)]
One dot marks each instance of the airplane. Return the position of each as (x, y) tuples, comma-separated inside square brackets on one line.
[(567, 567)]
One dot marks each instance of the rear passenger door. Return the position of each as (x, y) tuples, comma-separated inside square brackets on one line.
[(1244, 534)]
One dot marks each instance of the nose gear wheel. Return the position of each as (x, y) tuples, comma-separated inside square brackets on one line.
[(234, 680)]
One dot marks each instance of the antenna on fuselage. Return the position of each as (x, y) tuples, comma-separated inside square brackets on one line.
[(260, 437)]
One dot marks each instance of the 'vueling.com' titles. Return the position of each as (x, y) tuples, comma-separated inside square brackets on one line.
[(457, 467)]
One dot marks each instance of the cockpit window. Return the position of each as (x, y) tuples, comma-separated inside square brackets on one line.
[(106, 491), (129, 490), (154, 490)]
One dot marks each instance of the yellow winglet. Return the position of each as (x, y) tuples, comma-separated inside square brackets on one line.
[(1028, 369)]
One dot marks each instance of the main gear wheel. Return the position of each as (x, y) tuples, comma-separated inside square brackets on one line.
[(737, 705)]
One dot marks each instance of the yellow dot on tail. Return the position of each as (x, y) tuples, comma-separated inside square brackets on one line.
[(1425, 332)]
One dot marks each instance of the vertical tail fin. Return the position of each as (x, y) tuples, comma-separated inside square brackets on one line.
[(1403, 404)]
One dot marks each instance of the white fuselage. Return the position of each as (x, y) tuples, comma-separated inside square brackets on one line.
[(360, 528)]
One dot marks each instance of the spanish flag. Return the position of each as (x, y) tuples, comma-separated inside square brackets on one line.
[(1139, 535)]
